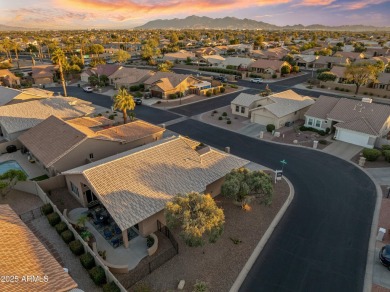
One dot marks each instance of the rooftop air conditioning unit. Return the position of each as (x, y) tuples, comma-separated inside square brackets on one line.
[(367, 99)]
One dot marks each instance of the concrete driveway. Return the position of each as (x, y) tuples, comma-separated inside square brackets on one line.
[(381, 175), (381, 275), (342, 149)]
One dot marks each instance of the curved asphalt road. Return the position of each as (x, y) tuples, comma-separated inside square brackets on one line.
[(321, 243)]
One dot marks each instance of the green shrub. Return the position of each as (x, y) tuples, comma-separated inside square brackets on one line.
[(220, 118), (141, 86), (228, 122), (336, 88), (322, 86), (371, 154), (274, 76), (321, 132), (87, 261), (134, 88), (67, 236), (341, 89), (111, 117), (53, 219), (224, 114), (97, 275), (371, 94), (323, 142), (222, 89), (215, 111), (47, 209), (347, 90), (172, 96), (61, 227), (200, 286), (270, 128), (386, 154), (385, 147), (327, 130), (111, 287), (208, 93), (76, 247), (215, 91)]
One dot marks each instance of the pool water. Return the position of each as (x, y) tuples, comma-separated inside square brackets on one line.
[(10, 164)]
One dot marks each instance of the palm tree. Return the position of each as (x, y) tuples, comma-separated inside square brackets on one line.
[(58, 57), (124, 101)]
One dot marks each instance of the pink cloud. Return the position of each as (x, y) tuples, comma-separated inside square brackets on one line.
[(315, 3), (362, 4)]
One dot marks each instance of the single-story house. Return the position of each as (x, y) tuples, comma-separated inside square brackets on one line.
[(106, 69), (135, 185), (357, 122), (208, 51), (43, 74), (277, 109), (268, 67), (60, 145), (23, 256), (211, 60), (304, 61), (163, 84), (19, 117), (180, 56), (129, 76), (329, 62), (7, 78), (236, 63), (383, 81), (11, 96), (84, 76), (352, 56), (376, 52), (340, 73), (271, 53)]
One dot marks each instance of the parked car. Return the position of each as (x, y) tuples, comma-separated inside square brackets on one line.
[(257, 80), (88, 89), (237, 77), (137, 101), (384, 256), (220, 78)]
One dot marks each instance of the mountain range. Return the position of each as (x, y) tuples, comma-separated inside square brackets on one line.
[(18, 28), (203, 22)]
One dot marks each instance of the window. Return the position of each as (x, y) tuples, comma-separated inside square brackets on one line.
[(74, 189), (295, 113), (242, 110), (382, 86), (318, 123), (237, 108), (91, 155), (310, 122)]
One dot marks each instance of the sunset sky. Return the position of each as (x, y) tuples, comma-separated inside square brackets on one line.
[(71, 14)]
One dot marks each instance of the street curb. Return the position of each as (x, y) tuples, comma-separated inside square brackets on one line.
[(263, 241)]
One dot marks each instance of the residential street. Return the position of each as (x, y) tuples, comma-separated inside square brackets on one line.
[(321, 243)]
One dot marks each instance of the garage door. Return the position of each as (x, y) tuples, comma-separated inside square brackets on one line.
[(258, 119), (353, 138), (155, 93)]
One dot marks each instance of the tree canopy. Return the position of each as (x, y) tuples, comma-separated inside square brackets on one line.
[(242, 185), (121, 56), (9, 179), (198, 216), (327, 76), (361, 73), (124, 101)]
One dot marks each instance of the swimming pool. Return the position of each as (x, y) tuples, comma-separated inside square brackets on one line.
[(10, 164)]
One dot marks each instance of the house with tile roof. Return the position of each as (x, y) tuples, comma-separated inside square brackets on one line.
[(11, 95), (340, 73), (22, 255), (135, 185), (19, 117), (267, 68), (126, 77), (357, 122), (236, 63), (383, 82), (59, 145), (329, 62), (163, 84), (7, 78), (180, 56), (43, 74), (276, 109)]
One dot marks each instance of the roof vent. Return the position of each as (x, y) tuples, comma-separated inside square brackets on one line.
[(367, 99), (203, 150)]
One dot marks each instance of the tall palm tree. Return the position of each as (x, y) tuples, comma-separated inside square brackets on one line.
[(58, 57), (124, 101)]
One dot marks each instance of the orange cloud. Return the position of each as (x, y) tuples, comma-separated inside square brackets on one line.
[(362, 4), (127, 9), (315, 3)]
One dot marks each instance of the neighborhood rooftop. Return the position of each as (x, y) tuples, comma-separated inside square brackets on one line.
[(22, 116), (22, 254), (53, 138), (136, 184)]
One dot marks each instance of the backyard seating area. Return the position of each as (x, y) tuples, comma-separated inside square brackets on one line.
[(106, 226)]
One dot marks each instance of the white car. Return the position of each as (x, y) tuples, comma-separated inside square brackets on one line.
[(256, 80), (88, 89)]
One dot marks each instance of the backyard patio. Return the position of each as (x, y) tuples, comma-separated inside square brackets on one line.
[(109, 237)]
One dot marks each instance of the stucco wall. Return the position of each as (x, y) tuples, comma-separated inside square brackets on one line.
[(376, 92), (214, 189), (149, 225), (77, 180)]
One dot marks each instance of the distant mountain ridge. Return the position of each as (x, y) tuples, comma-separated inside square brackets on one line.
[(4, 27), (203, 22)]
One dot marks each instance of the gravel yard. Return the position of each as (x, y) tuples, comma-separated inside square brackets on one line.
[(72, 262), (219, 264)]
